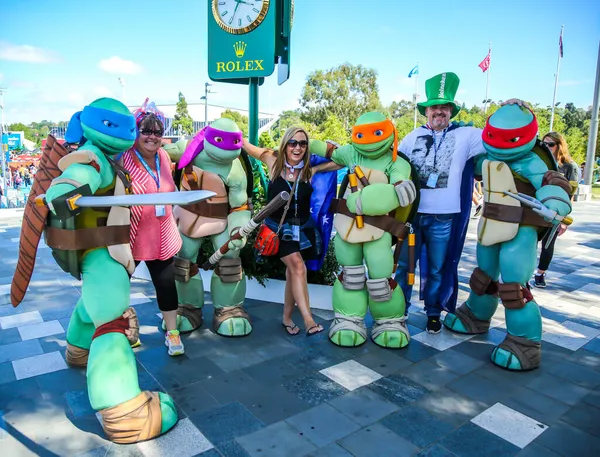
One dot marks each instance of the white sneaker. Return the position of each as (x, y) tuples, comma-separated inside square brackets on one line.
[(174, 343)]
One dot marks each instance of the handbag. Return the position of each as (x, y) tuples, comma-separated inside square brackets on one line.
[(267, 241)]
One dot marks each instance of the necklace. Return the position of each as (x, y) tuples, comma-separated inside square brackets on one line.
[(294, 167)]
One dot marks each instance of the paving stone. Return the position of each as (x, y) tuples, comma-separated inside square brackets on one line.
[(363, 406), (559, 389), (20, 350), (362, 442), (7, 374), (570, 441), (577, 374), (536, 405), (430, 375), (585, 417), (435, 450), (315, 388), (193, 398), (274, 371), (417, 425), (481, 389), (323, 425), (455, 361), (33, 317), (9, 336), (384, 362), (417, 351), (472, 440), (351, 374), (398, 389), (262, 404), (39, 364), (570, 335), (441, 341), (514, 427), (226, 422), (537, 450), (184, 437), (33, 331), (593, 345), (276, 440), (332, 450), (232, 449), (79, 402), (586, 358)]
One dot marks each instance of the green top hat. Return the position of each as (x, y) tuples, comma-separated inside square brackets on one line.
[(441, 89)]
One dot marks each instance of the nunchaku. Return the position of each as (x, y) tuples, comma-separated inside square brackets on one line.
[(354, 175), (247, 229)]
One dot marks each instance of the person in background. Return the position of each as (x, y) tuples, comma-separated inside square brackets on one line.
[(154, 237), (289, 168), (569, 169)]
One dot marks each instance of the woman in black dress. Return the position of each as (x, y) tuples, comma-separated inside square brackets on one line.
[(289, 170)]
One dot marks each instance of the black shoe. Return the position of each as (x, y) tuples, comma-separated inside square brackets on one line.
[(434, 325), (478, 210), (539, 281)]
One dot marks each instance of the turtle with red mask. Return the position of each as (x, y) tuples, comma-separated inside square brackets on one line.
[(515, 162), (366, 221), (211, 160)]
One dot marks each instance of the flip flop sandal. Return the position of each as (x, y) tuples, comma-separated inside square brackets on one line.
[(290, 329), (309, 333)]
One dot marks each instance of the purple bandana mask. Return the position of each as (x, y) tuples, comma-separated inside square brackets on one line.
[(228, 141)]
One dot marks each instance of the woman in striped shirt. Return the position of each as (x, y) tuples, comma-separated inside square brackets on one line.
[(154, 236)]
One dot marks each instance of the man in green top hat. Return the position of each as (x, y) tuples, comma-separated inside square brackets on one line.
[(441, 152)]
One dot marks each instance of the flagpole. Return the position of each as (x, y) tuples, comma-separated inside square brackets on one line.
[(416, 96), (556, 79), (487, 84)]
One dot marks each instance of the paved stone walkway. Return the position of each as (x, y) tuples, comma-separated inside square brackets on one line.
[(275, 395)]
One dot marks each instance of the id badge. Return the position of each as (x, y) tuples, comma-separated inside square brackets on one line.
[(432, 181), (160, 210), (295, 233)]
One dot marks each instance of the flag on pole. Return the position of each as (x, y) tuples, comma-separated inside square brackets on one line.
[(560, 45), (414, 71), (485, 63)]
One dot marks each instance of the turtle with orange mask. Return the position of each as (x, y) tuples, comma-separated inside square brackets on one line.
[(369, 216)]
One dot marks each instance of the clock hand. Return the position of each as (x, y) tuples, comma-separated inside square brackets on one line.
[(234, 11)]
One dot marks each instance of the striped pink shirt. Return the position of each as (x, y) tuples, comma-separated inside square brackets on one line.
[(152, 237)]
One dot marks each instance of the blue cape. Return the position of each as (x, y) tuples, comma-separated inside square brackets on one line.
[(449, 288)]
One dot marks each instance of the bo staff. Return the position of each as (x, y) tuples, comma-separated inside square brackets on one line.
[(267, 210)]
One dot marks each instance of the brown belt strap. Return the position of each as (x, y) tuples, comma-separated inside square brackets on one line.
[(385, 223), (513, 214), (214, 210), (75, 240)]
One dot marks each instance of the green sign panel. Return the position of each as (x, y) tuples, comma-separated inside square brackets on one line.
[(241, 39)]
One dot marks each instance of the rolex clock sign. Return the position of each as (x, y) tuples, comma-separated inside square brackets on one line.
[(241, 39)]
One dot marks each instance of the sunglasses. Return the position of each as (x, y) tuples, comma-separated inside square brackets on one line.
[(293, 143), (549, 144), (147, 132)]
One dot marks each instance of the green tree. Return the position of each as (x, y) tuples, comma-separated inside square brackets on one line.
[(183, 121), (238, 118), (265, 140), (332, 129), (286, 120), (346, 91)]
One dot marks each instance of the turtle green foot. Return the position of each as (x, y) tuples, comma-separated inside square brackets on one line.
[(347, 338)]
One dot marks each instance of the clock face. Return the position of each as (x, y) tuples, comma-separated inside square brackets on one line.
[(239, 16)]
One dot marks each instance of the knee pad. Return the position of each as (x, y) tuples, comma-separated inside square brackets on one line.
[(379, 289), (482, 284), (513, 295), (229, 270), (354, 277), (184, 269)]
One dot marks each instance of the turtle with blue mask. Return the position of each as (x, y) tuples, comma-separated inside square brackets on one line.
[(515, 162), (93, 244)]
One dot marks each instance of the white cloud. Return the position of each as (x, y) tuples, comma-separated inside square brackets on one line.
[(119, 66), (26, 53)]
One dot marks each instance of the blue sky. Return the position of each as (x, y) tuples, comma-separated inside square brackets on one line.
[(56, 56)]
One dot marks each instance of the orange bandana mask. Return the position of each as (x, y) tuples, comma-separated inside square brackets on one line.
[(376, 132)]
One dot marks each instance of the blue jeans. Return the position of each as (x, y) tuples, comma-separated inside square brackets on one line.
[(434, 231)]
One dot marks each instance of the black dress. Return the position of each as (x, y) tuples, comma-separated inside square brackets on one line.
[(298, 214)]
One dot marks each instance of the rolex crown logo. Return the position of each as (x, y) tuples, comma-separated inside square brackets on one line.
[(240, 49)]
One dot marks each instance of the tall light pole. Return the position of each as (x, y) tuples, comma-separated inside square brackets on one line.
[(205, 98), (593, 137), (2, 91), (560, 54), (122, 83)]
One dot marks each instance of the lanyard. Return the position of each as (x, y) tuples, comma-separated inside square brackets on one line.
[(437, 146), (157, 176), (295, 197)]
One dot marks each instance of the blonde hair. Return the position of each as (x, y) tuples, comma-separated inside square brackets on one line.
[(562, 150), (280, 155)]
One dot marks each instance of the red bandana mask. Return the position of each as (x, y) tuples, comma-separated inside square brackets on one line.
[(509, 138)]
